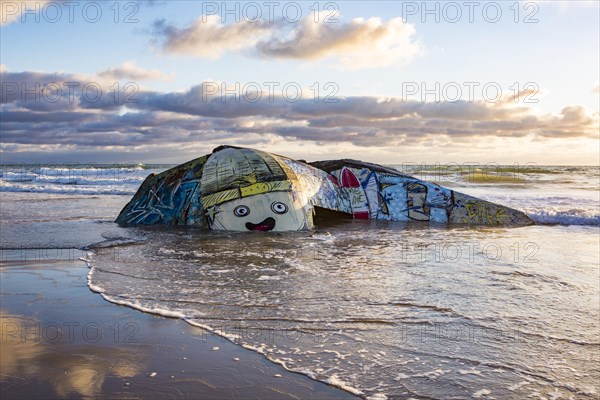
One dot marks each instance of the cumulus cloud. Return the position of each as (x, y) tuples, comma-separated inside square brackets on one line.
[(207, 37), (361, 43), (129, 70), (201, 116), (11, 11)]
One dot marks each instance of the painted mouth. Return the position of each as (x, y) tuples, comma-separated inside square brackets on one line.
[(265, 225)]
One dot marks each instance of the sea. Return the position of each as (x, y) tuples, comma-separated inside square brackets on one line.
[(384, 310)]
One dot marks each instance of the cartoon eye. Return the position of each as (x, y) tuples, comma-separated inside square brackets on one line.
[(279, 208), (241, 211)]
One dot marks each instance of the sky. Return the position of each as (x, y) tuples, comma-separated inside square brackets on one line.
[(507, 82)]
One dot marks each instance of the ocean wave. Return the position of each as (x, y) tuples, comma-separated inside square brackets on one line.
[(29, 187), (74, 179), (568, 217), (8, 170)]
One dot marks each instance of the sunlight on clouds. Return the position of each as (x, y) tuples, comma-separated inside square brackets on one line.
[(433, 150), (130, 70), (522, 97), (189, 123), (207, 37), (267, 123), (73, 373), (361, 43)]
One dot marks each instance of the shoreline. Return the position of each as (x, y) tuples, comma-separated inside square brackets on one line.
[(422, 343), (60, 339)]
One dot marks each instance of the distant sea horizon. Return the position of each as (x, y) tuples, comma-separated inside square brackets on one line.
[(554, 194)]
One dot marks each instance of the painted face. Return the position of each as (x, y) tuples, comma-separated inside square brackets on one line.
[(274, 211)]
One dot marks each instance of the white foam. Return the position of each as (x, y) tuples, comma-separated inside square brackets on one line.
[(566, 217), (518, 385), (94, 288), (377, 396), (261, 349), (471, 371), (335, 381), (481, 393), (268, 278), (434, 374), (76, 179), (66, 189), (401, 376), (152, 310)]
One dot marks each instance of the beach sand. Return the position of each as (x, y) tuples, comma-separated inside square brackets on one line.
[(60, 340)]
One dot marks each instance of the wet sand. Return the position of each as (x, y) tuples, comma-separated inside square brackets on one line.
[(60, 340)]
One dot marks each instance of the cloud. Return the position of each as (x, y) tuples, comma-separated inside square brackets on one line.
[(358, 44), (207, 37), (361, 43), (95, 364), (523, 96), (202, 118), (11, 10), (58, 92), (129, 70)]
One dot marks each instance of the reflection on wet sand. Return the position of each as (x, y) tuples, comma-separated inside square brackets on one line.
[(157, 358), (69, 368)]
